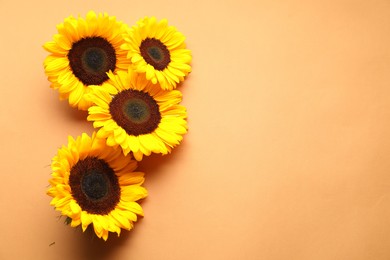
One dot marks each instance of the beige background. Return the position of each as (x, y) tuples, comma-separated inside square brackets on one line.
[(288, 152)]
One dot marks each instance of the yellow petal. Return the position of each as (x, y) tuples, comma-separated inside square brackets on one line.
[(86, 219)]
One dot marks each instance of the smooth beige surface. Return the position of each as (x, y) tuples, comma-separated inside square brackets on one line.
[(288, 150)]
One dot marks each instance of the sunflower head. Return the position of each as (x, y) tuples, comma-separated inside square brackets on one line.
[(81, 54), (137, 115), (95, 184), (158, 51)]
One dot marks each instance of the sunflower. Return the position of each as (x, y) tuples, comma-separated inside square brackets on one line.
[(81, 54), (138, 116), (95, 184), (158, 51)]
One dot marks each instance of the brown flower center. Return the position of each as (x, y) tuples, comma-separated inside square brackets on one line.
[(155, 53), (94, 186), (90, 58), (135, 111)]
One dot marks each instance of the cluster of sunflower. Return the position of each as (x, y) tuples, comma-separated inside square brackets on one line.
[(126, 78)]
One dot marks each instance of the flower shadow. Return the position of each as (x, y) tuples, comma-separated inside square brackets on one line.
[(61, 109), (70, 113), (154, 165), (90, 246)]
